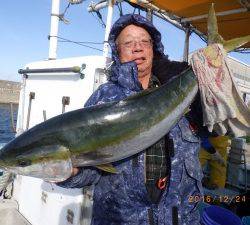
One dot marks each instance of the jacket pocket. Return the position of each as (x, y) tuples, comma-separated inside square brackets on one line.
[(193, 168), (194, 172), (195, 193), (186, 132)]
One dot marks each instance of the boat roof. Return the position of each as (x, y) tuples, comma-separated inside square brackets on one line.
[(233, 16)]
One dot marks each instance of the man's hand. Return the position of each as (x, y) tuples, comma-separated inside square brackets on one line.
[(75, 171), (217, 157)]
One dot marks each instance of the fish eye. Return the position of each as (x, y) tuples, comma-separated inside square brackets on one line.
[(23, 163)]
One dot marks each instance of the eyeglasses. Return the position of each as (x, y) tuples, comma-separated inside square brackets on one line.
[(145, 43)]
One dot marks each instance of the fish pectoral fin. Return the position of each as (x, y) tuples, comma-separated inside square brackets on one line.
[(107, 168), (235, 43)]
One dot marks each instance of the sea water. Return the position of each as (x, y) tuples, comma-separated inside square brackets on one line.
[(6, 131)]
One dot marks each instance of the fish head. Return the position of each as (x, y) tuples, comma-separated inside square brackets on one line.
[(50, 162)]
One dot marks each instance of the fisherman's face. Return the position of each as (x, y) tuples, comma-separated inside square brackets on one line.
[(135, 44)]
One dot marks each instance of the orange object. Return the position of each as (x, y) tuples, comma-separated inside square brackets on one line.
[(233, 19), (161, 183), (193, 127)]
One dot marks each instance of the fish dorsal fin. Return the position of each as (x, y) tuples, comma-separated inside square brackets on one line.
[(107, 168)]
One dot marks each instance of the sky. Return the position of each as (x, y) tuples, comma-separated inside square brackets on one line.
[(25, 26)]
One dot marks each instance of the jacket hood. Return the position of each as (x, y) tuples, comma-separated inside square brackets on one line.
[(118, 69), (140, 21)]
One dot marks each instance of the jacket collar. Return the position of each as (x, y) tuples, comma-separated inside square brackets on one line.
[(126, 75)]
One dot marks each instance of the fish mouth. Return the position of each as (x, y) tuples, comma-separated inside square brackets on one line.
[(50, 163), (52, 171)]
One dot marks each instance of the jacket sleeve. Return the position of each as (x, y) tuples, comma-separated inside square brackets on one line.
[(87, 175), (207, 146)]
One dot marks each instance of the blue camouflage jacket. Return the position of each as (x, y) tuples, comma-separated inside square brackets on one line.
[(122, 199)]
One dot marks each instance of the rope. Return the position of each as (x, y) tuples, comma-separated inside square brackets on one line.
[(100, 20), (79, 43), (65, 10), (61, 15), (119, 5), (134, 10)]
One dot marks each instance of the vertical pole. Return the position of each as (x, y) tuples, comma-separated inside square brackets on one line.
[(23, 101), (186, 46), (21, 107), (54, 29), (44, 115), (31, 97), (12, 117), (149, 15), (108, 28)]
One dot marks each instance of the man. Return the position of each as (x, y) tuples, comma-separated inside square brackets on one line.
[(157, 186)]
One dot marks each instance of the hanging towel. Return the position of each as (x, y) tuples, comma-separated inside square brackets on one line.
[(223, 109)]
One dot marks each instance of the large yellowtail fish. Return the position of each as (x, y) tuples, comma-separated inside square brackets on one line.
[(99, 135)]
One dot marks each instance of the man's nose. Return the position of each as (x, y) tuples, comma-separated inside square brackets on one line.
[(137, 46)]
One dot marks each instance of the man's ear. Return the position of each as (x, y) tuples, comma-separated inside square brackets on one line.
[(118, 50), (117, 43)]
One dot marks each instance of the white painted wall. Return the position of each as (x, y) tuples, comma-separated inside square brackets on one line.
[(41, 202)]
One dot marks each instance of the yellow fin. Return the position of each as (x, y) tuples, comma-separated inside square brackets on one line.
[(235, 43), (187, 110), (212, 27), (107, 168)]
